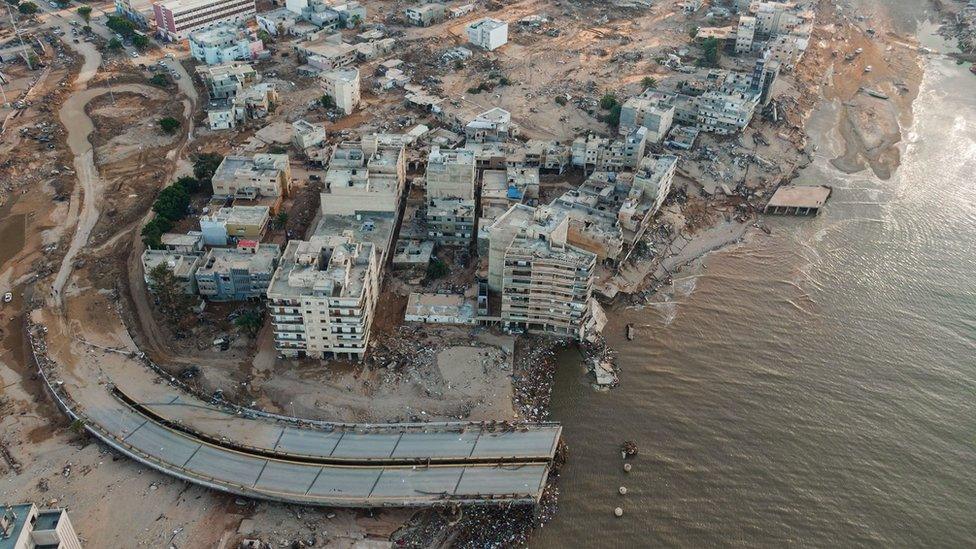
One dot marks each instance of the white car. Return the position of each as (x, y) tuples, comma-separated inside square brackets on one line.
[(8, 297), (133, 54)]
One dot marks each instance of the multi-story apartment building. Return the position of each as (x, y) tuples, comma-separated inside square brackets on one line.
[(650, 110), (602, 154), (450, 173), (323, 296), (227, 80), (745, 34), (450, 221), (546, 284), (176, 19), (239, 222), (488, 34), (236, 274), (343, 87), (263, 175), (25, 526), (450, 197), (361, 180)]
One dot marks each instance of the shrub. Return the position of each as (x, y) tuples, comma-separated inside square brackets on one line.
[(169, 124)]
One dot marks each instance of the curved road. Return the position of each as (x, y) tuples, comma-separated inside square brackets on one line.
[(288, 460)]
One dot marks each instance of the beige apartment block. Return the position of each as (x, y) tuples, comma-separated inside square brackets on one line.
[(323, 296), (362, 181), (546, 283), (263, 175)]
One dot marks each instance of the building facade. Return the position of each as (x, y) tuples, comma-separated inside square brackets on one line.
[(25, 526), (263, 175), (322, 298), (237, 274), (176, 19), (488, 34), (223, 44), (343, 87)]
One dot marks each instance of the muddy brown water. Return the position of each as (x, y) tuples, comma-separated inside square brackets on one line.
[(811, 388)]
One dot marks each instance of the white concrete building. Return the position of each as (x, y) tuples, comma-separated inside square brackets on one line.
[(745, 34), (489, 34), (343, 87), (361, 180), (223, 44), (25, 526), (440, 309), (183, 266), (305, 134)]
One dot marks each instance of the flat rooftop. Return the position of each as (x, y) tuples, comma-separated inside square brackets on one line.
[(181, 264), (324, 266), (800, 196), (224, 260), (454, 305)]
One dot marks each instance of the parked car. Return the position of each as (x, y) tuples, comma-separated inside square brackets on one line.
[(8, 297)]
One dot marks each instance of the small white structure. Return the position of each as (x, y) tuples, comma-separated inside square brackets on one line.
[(343, 86), (223, 44), (489, 34), (306, 135), (440, 309)]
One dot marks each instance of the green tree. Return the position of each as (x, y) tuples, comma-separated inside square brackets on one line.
[(264, 37), (13, 2), (613, 117), (711, 51), (172, 203), (560, 100), (157, 79), (140, 41), (250, 322), (327, 101), (169, 124), (174, 303), (608, 101), (114, 44), (152, 233), (121, 25), (649, 82), (437, 268), (188, 184), (692, 32), (204, 167), (27, 8), (281, 220), (85, 13)]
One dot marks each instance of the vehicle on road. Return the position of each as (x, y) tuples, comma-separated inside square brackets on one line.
[(133, 54)]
